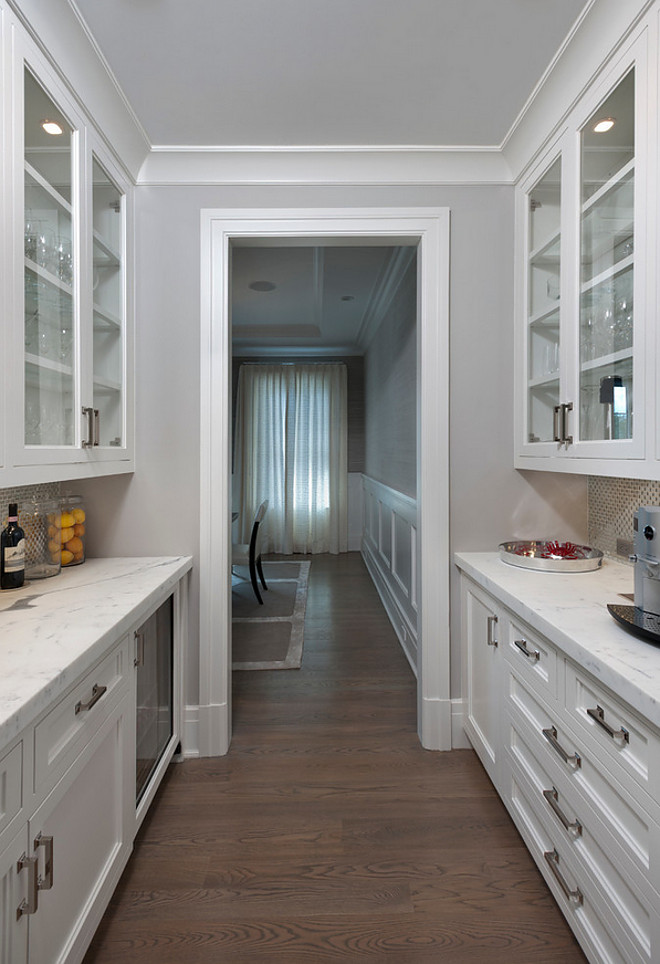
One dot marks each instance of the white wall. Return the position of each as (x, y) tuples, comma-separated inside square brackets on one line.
[(156, 511)]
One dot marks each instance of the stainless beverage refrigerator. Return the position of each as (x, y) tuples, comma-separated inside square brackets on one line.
[(154, 662)]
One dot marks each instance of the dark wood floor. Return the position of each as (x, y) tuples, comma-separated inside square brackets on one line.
[(327, 833)]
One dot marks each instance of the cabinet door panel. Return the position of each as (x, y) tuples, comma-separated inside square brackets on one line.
[(483, 684), (13, 891), (86, 817)]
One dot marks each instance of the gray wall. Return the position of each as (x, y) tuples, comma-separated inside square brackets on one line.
[(157, 510), (391, 393)]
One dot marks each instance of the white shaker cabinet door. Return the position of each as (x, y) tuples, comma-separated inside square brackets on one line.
[(15, 878), (86, 815), (482, 676)]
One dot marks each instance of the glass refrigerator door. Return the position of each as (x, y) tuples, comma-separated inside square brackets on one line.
[(154, 726), (543, 304), (606, 276)]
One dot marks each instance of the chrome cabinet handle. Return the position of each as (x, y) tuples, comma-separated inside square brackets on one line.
[(552, 798), (573, 760), (598, 715), (97, 693), (139, 650), (97, 427), (490, 639), (557, 421), (552, 860), (566, 438), (31, 904), (41, 840), (529, 653), (93, 427)]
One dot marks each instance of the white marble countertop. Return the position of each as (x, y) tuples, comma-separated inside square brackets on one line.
[(53, 630), (571, 611)]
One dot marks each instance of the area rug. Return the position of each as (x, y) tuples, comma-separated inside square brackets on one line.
[(270, 636)]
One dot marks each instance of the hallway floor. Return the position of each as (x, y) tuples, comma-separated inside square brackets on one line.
[(327, 833)]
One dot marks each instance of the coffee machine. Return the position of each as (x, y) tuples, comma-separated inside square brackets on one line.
[(646, 556)]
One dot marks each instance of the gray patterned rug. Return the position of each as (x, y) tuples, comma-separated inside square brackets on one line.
[(270, 636)]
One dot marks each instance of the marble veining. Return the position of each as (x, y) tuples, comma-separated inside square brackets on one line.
[(54, 630), (571, 611)]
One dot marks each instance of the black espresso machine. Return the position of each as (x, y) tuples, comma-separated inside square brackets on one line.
[(643, 618)]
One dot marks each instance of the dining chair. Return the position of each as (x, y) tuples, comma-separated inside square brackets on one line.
[(249, 554)]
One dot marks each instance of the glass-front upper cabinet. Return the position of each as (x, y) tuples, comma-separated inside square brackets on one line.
[(50, 309), (108, 218), (543, 285), (73, 257), (607, 241), (582, 243)]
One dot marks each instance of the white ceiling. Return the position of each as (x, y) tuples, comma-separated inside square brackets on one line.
[(328, 72)]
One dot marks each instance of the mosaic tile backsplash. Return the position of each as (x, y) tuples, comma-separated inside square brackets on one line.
[(27, 493), (611, 504)]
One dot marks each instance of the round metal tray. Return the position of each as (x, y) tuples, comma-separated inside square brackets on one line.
[(550, 556)]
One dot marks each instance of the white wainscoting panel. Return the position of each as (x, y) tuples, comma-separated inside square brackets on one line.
[(389, 549)]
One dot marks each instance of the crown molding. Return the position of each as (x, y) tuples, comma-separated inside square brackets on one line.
[(329, 165)]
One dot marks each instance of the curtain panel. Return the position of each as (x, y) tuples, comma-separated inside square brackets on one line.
[(291, 448)]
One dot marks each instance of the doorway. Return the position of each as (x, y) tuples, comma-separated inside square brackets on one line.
[(428, 230)]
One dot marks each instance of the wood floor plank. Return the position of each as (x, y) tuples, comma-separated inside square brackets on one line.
[(327, 833)]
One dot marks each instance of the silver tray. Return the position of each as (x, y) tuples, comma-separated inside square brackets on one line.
[(537, 554)]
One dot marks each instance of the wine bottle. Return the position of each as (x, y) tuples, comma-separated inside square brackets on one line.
[(12, 552)]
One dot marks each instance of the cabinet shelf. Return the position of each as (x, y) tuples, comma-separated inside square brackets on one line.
[(52, 192), (48, 277), (105, 256), (606, 361), (624, 174), (545, 318), (544, 381), (609, 273), (106, 386), (105, 320), (546, 253)]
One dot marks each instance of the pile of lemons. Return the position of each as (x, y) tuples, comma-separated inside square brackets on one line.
[(65, 536)]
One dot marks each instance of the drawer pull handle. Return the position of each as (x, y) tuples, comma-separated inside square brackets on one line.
[(492, 622), (41, 840), (552, 860), (599, 716), (551, 736), (552, 798), (30, 905), (97, 693), (529, 653)]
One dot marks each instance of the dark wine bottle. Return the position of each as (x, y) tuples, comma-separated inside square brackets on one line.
[(12, 552)]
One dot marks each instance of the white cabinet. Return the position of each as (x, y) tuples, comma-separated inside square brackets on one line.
[(579, 771), (584, 402), (69, 402), (481, 622), (18, 885)]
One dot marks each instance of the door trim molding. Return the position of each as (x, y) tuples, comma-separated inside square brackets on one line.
[(429, 229)]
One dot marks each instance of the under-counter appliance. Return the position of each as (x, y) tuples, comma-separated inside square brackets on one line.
[(643, 618), (154, 664)]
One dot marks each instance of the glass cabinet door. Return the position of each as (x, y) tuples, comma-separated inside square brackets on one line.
[(49, 274), (607, 148), (107, 309), (543, 304)]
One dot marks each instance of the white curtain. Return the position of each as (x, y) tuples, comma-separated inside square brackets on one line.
[(291, 448)]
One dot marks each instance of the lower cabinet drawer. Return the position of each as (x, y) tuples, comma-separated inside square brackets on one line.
[(11, 785), (615, 923), (533, 731), (77, 716), (612, 730)]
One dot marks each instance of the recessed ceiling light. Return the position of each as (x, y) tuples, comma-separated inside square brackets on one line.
[(262, 286), (605, 124), (51, 127), (348, 297)]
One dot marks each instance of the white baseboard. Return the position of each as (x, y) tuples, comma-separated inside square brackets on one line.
[(206, 731), (459, 740)]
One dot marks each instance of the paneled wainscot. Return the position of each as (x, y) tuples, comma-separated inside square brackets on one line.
[(71, 650), (562, 706)]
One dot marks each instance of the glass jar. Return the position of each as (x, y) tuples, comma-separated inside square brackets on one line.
[(43, 551), (73, 522)]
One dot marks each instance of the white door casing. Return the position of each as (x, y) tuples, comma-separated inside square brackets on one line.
[(429, 229)]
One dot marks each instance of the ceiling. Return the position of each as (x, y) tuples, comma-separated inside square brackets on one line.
[(328, 72), (316, 299), (324, 73)]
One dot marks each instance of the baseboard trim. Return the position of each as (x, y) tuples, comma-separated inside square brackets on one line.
[(212, 736), (434, 725), (459, 740)]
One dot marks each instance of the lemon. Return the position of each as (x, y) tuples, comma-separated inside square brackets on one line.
[(67, 534), (67, 557), (67, 520), (78, 515)]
